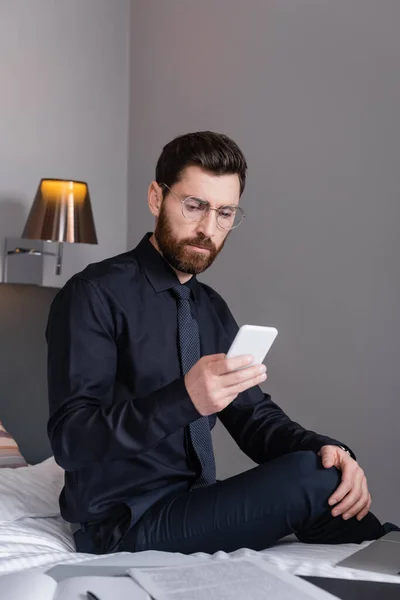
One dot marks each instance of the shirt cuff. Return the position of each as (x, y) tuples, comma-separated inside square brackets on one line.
[(176, 406)]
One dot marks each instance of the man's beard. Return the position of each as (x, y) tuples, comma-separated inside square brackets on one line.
[(177, 254)]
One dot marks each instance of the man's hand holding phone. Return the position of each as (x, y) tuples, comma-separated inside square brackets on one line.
[(215, 381)]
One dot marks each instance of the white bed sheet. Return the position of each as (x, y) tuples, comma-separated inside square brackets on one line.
[(42, 543)]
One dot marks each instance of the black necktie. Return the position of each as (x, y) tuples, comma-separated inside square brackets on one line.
[(189, 348)]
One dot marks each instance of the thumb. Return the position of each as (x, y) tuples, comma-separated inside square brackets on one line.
[(327, 456)]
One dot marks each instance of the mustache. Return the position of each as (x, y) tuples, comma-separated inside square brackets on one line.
[(201, 243)]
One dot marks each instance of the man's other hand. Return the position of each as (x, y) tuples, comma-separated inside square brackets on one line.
[(351, 498)]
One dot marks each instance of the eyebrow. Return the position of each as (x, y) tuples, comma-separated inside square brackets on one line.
[(184, 196)]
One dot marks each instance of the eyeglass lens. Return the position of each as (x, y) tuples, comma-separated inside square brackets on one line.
[(195, 209)]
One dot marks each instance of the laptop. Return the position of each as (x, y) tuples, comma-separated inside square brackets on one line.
[(354, 589), (382, 556)]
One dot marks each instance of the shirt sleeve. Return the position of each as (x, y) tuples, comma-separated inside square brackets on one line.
[(261, 429), (85, 423)]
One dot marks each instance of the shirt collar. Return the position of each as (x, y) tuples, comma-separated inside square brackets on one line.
[(159, 273)]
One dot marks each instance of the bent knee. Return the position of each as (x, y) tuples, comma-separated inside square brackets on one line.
[(318, 479), (309, 472), (304, 462)]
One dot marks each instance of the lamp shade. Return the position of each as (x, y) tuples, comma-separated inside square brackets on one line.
[(61, 212)]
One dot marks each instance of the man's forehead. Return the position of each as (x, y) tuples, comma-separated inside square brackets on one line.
[(219, 190)]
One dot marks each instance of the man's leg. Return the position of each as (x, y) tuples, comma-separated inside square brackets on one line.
[(252, 510)]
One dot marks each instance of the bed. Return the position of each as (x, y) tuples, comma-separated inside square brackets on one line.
[(34, 536)]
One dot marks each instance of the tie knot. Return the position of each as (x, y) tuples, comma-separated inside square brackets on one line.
[(182, 292)]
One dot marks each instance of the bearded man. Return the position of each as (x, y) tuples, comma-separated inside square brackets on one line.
[(138, 375)]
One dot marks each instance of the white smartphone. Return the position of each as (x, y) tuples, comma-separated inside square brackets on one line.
[(254, 340)]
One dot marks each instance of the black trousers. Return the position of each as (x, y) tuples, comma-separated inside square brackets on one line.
[(252, 510)]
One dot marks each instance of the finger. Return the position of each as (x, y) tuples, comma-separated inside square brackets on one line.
[(356, 508), (245, 385), (348, 467), (237, 377), (327, 457), (214, 358), (356, 493), (347, 503), (227, 365), (363, 513), (341, 491)]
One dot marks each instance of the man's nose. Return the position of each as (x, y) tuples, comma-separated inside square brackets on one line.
[(209, 225)]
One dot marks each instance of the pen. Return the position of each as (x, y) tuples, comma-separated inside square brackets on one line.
[(92, 596)]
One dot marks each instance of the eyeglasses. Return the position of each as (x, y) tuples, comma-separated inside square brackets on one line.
[(197, 209)]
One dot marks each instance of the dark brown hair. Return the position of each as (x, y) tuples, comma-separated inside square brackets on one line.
[(214, 152)]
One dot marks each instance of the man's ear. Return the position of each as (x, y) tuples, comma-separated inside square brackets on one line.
[(155, 198)]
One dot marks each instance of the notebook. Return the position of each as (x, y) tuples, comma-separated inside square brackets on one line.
[(31, 585), (247, 578)]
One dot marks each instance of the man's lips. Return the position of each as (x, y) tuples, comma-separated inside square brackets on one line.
[(200, 248)]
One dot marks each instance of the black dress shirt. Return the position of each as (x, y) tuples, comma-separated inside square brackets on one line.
[(119, 408)]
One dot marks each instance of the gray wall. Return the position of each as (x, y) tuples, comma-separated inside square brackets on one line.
[(64, 105), (311, 90)]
